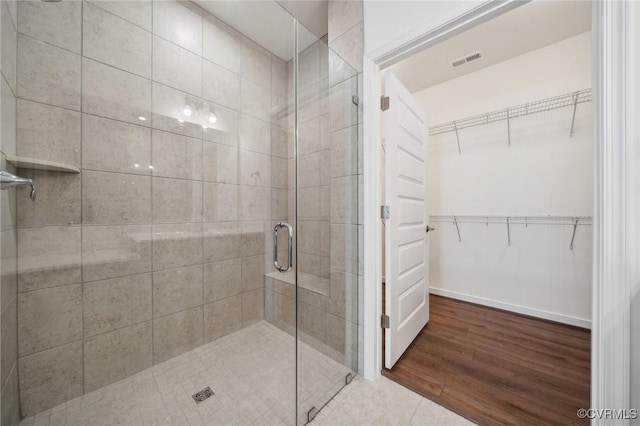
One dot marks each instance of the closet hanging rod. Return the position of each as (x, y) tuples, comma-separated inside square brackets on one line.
[(566, 100), (515, 220)]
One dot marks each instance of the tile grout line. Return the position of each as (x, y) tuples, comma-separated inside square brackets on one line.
[(97, 5), (202, 207), (105, 117), (15, 95), (81, 189), (150, 78), (151, 139), (14, 228), (415, 411), (149, 32), (15, 200)]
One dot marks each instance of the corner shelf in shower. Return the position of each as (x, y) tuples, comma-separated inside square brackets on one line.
[(35, 164)]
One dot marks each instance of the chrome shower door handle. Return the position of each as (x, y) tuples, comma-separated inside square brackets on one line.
[(289, 248)]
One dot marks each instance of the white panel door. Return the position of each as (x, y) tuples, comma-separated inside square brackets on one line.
[(406, 245)]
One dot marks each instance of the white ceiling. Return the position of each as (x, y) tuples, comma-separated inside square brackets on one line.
[(313, 14), (266, 22), (526, 28)]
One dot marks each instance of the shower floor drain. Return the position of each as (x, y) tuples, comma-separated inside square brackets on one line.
[(202, 395)]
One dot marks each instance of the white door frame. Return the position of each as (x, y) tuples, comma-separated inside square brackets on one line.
[(616, 197)]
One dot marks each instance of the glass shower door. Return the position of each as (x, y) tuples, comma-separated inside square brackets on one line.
[(142, 270), (326, 203)]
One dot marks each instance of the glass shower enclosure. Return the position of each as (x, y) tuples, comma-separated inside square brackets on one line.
[(190, 254)]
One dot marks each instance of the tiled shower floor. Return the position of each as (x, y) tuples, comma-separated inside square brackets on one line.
[(252, 377), (251, 373)]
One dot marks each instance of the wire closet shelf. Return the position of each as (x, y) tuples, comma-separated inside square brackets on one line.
[(516, 220), (569, 99)]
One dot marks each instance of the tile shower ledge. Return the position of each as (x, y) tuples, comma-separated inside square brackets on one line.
[(45, 262), (307, 281)]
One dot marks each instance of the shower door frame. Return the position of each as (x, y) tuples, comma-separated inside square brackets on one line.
[(341, 381)]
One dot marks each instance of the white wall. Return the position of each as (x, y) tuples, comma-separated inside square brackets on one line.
[(544, 172), (385, 21), (633, 88)]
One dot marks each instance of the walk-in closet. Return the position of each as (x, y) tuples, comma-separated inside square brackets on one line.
[(505, 109)]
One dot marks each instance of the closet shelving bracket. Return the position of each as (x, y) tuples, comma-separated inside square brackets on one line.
[(573, 235), (573, 221), (455, 221), (573, 116), (508, 114)]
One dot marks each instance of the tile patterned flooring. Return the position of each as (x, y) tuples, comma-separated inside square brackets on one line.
[(250, 373), (384, 403)]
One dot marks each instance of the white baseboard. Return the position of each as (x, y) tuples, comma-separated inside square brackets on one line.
[(565, 319)]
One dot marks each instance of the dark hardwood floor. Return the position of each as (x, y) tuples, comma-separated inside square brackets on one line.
[(497, 367)]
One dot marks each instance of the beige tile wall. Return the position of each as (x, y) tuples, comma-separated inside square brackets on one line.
[(9, 405), (162, 241)]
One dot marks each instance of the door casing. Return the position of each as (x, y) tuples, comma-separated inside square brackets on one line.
[(616, 196)]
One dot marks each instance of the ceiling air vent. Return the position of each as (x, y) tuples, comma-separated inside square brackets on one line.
[(466, 59)]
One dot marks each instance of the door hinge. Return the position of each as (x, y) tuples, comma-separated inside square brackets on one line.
[(311, 414), (384, 321), (384, 103), (355, 100), (385, 212), (348, 379)]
